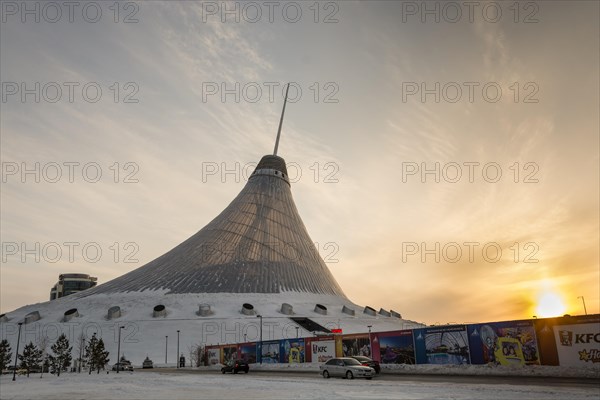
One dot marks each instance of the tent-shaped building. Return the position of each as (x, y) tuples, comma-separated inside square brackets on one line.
[(255, 259)]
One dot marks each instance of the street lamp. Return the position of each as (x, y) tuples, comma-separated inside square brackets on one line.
[(177, 358), (166, 347), (297, 331), (583, 300), (119, 350), (261, 337), (17, 352), (370, 343)]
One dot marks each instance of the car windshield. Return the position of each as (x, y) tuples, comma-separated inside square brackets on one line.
[(351, 361), (360, 358)]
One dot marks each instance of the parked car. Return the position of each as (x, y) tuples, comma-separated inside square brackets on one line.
[(236, 366), (124, 365), (347, 367), (147, 363), (368, 362)]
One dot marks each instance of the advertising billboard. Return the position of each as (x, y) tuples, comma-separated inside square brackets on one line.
[(247, 352), (270, 352), (442, 345), (213, 355), (578, 345), (292, 351), (355, 345), (504, 343), (229, 354), (321, 350), (394, 347)]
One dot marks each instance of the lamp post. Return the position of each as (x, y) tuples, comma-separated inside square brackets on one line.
[(119, 350), (17, 352), (261, 337), (166, 347), (297, 331), (583, 300), (177, 358), (370, 343)]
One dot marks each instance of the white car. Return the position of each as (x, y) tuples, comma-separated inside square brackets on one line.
[(346, 367)]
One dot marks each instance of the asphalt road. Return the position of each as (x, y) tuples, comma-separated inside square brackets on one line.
[(462, 379)]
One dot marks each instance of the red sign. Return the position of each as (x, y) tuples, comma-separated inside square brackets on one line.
[(336, 331)]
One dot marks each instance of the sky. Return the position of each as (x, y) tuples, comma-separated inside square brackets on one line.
[(444, 157)]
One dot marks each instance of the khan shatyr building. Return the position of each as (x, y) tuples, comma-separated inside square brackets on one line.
[(255, 259)]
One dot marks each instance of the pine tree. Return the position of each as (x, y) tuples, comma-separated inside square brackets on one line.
[(31, 358), (62, 354), (95, 355), (5, 354), (90, 350), (101, 356)]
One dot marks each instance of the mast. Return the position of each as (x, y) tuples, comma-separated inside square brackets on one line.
[(281, 121)]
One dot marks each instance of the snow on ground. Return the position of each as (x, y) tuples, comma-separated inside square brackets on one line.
[(464, 370), (164, 385)]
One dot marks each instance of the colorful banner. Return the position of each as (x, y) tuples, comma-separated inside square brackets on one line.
[(442, 345), (292, 351), (320, 350), (228, 353), (247, 352), (394, 347), (578, 345), (213, 355), (548, 336), (270, 352), (568, 341), (504, 343), (356, 345)]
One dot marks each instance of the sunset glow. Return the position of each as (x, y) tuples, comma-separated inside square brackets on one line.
[(443, 168), (550, 305)]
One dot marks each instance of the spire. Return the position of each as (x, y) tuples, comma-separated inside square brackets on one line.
[(281, 121)]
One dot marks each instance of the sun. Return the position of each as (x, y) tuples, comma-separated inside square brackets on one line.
[(550, 304)]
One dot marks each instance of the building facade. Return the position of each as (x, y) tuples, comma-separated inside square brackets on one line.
[(71, 283)]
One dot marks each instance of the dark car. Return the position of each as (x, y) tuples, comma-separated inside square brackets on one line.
[(236, 366), (368, 362), (147, 363)]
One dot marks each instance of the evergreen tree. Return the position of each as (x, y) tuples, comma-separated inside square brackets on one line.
[(31, 358), (101, 356), (61, 359), (95, 355), (5, 354), (90, 350)]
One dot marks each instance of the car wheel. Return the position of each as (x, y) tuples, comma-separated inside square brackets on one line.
[(246, 371), (325, 374), (235, 371), (369, 378), (223, 371), (349, 375)]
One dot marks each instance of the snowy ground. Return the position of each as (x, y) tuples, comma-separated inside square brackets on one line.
[(173, 385), (453, 370)]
